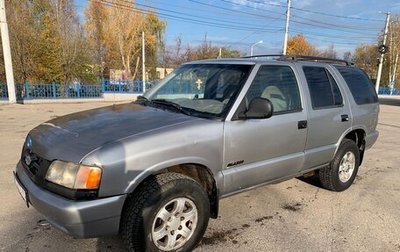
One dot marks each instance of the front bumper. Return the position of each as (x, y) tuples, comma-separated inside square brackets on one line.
[(85, 219)]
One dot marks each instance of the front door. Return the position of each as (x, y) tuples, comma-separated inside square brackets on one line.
[(261, 150)]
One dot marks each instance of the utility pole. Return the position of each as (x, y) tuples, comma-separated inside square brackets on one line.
[(5, 39), (286, 27), (143, 64), (378, 77)]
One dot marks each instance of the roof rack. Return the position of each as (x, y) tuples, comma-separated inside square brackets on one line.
[(301, 58), (264, 56)]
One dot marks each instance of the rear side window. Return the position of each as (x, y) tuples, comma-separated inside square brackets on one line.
[(359, 84), (324, 91)]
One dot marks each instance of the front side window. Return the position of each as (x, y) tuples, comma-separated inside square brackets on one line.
[(324, 90), (202, 88), (277, 84)]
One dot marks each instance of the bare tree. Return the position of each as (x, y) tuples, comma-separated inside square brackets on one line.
[(329, 52), (348, 56)]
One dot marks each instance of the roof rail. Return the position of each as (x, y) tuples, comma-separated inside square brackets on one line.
[(263, 56), (316, 59), (302, 58)]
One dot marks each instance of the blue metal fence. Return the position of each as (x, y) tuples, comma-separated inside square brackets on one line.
[(126, 86), (58, 91), (388, 91), (3, 91), (75, 90)]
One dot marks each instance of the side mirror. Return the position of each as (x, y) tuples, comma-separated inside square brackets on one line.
[(259, 108)]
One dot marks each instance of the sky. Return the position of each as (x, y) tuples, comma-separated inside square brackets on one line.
[(238, 24)]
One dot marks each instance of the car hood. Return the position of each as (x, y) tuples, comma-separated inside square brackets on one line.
[(73, 136)]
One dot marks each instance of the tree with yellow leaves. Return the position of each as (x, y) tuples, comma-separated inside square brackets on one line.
[(116, 32), (298, 45)]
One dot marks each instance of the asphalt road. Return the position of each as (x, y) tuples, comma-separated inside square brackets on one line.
[(291, 216), (390, 101)]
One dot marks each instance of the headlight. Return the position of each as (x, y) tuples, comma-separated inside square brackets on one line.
[(74, 176)]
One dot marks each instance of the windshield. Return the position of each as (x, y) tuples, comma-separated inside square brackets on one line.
[(203, 88)]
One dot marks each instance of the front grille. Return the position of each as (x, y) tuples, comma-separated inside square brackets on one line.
[(35, 166)]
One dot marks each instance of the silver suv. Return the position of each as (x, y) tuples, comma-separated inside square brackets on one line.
[(154, 170)]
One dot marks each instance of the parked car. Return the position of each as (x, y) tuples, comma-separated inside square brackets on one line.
[(155, 169)]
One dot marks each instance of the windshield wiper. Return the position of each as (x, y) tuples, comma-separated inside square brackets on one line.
[(170, 104), (142, 98)]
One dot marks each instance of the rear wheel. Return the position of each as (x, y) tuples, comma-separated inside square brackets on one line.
[(341, 172), (169, 212)]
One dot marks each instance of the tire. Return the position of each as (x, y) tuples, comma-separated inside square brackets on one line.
[(336, 177), (171, 206)]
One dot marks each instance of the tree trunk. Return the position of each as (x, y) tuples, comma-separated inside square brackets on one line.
[(136, 68)]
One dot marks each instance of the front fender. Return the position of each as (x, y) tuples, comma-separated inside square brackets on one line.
[(127, 162), (177, 161)]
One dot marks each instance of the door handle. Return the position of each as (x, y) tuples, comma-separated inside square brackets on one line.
[(302, 124), (345, 118)]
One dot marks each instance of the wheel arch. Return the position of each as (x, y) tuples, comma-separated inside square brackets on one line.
[(358, 136), (195, 170)]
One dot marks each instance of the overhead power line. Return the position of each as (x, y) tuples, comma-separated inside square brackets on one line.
[(335, 36), (315, 23), (242, 5), (190, 15), (280, 17), (337, 16), (315, 12), (333, 28), (221, 12), (336, 24), (360, 32), (333, 41), (239, 11), (355, 35), (129, 6)]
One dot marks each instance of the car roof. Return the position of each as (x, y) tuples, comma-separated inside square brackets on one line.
[(251, 60)]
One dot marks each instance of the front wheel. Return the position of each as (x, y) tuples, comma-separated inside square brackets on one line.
[(169, 212), (342, 171)]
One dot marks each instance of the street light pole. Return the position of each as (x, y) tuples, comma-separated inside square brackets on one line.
[(378, 76), (5, 39), (252, 46)]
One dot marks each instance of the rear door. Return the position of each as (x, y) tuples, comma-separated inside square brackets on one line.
[(261, 150), (328, 114)]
